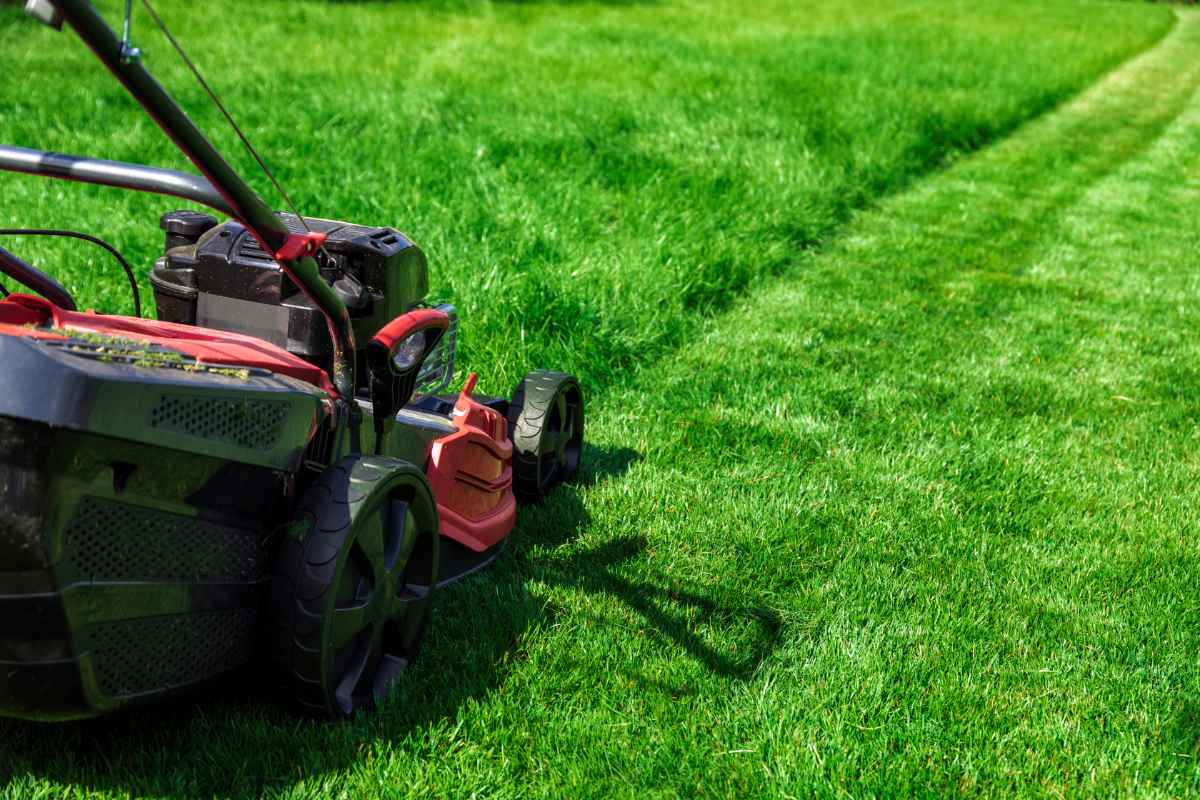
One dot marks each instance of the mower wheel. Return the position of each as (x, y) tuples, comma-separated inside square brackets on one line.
[(349, 597), (545, 423)]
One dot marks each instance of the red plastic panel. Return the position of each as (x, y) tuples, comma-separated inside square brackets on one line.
[(470, 472), (36, 317), (402, 326)]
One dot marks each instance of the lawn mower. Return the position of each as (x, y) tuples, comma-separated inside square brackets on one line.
[(269, 473)]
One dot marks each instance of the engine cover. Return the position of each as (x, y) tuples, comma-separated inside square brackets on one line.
[(216, 276)]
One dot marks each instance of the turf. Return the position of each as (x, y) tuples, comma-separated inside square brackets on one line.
[(586, 179), (890, 489)]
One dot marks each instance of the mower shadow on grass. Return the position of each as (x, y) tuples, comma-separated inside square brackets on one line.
[(671, 611), (1185, 738)]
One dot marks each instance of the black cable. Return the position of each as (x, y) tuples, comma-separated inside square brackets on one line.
[(3, 290), (162, 26), (133, 285)]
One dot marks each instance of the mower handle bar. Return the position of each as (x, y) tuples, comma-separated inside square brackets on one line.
[(113, 173)]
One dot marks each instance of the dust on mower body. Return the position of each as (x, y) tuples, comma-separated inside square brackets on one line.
[(267, 474)]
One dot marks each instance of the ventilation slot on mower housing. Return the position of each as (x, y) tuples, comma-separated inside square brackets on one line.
[(156, 653), (111, 541), (255, 424)]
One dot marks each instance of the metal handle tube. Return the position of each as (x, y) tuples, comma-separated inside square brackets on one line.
[(113, 173), (245, 205)]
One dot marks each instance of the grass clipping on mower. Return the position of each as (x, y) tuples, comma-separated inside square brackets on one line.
[(136, 353)]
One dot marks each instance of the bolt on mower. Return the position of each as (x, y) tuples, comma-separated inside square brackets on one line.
[(269, 472)]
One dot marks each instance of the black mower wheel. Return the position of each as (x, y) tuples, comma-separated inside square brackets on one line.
[(350, 597), (545, 423)]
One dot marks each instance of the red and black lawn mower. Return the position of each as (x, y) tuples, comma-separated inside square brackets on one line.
[(266, 472)]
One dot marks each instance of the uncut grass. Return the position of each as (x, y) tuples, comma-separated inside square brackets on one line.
[(587, 179)]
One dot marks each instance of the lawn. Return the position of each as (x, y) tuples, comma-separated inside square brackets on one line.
[(885, 312)]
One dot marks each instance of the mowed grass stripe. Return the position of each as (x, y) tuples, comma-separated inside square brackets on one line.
[(966, 484)]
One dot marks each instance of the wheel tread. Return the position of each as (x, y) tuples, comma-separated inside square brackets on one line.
[(304, 573), (529, 409)]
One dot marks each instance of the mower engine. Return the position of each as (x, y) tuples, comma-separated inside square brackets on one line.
[(217, 276)]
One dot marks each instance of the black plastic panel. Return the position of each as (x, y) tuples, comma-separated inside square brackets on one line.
[(253, 417)]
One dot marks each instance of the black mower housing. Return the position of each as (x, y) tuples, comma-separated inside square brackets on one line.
[(136, 504)]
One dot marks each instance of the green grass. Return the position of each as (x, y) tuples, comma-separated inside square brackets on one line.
[(586, 179), (892, 483)]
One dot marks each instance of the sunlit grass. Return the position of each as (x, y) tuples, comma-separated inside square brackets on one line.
[(586, 179), (892, 482)]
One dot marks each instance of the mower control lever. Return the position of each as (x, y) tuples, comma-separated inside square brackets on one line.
[(35, 279), (394, 357)]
